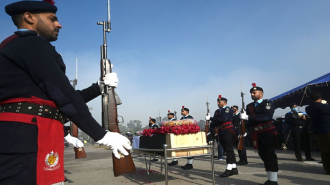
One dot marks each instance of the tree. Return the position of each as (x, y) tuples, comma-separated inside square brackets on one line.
[(201, 124)]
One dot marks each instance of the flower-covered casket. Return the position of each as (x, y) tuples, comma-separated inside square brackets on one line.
[(176, 134)]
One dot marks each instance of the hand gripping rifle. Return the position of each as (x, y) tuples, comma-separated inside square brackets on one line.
[(109, 107), (241, 139), (79, 152)]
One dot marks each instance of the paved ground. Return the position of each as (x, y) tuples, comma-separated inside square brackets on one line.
[(97, 169)]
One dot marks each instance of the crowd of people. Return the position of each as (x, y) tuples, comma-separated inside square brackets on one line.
[(262, 132)]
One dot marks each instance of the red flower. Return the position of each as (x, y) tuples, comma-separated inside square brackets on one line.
[(177, 130)]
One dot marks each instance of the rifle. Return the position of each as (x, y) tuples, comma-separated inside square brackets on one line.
[(79, 152), (207, 124), (109, 106), (241, 139)]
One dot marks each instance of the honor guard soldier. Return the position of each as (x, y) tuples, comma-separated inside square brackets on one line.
[(190, 160), (259, 115), (152, 123), (319, 111), (237, 126), (170, 116), (300, 134), (222, 124), (35, 98)]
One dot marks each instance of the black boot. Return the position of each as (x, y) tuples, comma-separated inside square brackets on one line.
[(235, 171), (173, 163), (187, 167), (269, 183), (310, 159), (242, 162), (227, 173), (154, 160)]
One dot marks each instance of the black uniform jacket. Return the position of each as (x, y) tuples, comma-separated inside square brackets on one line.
[(320, 115), (153, 126), (237, 124), (264, 112), (187, 117), (220, 117), (289, 119), (30, 66)]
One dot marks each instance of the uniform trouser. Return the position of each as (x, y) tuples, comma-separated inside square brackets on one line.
[(227, 141), (242, 153), (266, 150), (220, 149), (17, 169), (323, 141), (299, 136)]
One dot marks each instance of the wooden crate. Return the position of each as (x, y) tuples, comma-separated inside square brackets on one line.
[(173, 142), (185, 141)]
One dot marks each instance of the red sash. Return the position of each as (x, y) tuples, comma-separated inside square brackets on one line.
[(230, 130), (255, 133), (50, 165)]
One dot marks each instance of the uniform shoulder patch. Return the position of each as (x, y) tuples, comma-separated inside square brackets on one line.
[(227, 110)]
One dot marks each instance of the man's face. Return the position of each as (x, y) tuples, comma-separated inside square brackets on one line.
[(221, 103), (234, 110), (169, 116), (151, 122), (48, 26), (184, 113), (293, 106), (256, 95)]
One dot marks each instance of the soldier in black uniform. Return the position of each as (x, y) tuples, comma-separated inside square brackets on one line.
[(259, 115), (237, 126), (222, 122), (170, 116), (300, 133), (152, 123), (190, 160), (319, 112), (34, 96)]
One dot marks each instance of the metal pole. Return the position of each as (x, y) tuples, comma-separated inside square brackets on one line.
[(161, 165), (212, 161), (145, 160), (165, 158)]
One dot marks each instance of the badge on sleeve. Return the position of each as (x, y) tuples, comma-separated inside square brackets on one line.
[(268, 105), (227, 110)]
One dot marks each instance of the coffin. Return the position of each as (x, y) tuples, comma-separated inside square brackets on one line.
[(173, 142)]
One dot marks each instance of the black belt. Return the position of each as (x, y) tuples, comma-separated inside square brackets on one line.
[(262, 127), (226, 125), (33, 109), (298, 126)]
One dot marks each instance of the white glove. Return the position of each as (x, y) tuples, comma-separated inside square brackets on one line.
[(239, 136), (208, 117), (243, 115), (208, 133), (116, 142), (74, 141), (324, 102), (111, 79)]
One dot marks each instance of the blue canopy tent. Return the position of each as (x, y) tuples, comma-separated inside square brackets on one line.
[(300, 94)]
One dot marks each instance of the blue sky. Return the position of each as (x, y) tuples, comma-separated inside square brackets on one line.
[(169, 53)]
